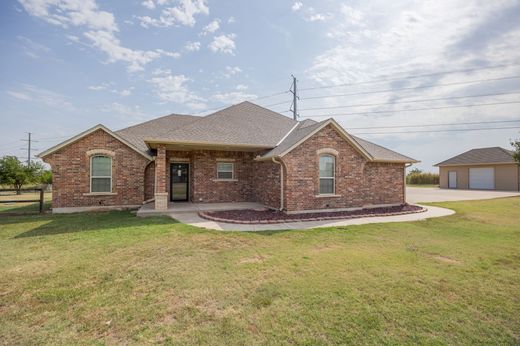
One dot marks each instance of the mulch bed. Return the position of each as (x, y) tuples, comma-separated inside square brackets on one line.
[(251, 216)]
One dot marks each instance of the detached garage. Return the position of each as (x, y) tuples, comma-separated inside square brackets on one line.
[(481, 169)]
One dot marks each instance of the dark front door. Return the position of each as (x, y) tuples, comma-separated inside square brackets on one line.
[(179, 180)]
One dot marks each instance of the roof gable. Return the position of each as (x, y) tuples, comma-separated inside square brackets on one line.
[(88, 132), (306, 130), (480, 156)]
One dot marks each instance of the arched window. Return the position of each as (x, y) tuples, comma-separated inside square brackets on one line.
[(327, 175), (100, 173)]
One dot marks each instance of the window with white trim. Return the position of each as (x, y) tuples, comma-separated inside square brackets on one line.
[(100, 173), (225, 170), (327, 175)]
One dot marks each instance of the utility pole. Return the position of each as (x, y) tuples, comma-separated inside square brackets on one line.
[(29, 148), (294, 91)]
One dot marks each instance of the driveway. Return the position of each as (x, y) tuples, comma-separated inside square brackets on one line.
[(425, 194)]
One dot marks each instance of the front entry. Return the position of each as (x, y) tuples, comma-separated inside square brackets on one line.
[(179, 181)]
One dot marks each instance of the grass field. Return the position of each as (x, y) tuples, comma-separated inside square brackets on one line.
[(113, 278)]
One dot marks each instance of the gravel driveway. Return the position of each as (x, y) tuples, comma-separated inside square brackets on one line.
[(425, 194)]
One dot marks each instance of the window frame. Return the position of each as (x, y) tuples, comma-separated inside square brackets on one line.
[(232, 170), (99, 176), (333, 177)]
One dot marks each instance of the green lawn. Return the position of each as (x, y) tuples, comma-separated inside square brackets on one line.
[(111, 278)]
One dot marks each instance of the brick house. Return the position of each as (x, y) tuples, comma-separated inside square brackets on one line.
[(244, 153)]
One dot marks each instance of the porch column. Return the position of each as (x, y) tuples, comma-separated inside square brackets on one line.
[(161, 194)]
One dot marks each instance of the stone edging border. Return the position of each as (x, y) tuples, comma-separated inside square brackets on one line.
[(204, 215)]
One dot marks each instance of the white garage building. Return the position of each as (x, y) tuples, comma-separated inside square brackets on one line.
[(481, 169)]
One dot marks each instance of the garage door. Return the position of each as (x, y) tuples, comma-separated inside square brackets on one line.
[(482, 178)]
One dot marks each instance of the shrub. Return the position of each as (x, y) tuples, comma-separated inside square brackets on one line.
[(417, 178)]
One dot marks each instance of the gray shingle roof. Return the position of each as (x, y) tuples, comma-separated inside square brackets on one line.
[(380, 153), (137, 133), (244, 123), (480, 156)]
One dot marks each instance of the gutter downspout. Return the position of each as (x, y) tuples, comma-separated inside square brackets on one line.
[(406, 165), (281, 181)]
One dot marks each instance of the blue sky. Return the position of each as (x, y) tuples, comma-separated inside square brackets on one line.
[(67, 65)]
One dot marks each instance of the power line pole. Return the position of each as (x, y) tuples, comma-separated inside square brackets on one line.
[(294, 91), (29, 148)]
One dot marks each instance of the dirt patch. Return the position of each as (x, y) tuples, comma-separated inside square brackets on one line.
[(252, 216), (444, 259), (254, 259)]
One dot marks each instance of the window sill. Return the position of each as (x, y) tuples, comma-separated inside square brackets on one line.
[(100, 194), (224, 179), (327, 196)]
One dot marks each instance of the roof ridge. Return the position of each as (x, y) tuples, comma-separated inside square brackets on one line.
[(155, 119)]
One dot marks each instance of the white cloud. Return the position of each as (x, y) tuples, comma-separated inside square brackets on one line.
[(192, 46), (231, 71), (316, 17), (31, 93), (211, 27), (182, 14), (234, 97), (71, 12), (97, 87), (412, 39), (231, 20), (31, 48), (149, 4), (101, 29), (224, 44), (174, 88), (296, 6), (109, 44)]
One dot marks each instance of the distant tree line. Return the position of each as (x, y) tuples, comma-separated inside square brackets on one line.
[(17, 175), (418, 177)]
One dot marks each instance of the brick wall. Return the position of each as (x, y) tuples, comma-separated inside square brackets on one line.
[(149, 181), (358, 182), (71, 173), (266, 183)]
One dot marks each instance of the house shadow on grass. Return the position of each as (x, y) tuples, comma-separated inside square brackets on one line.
[(83, 222)]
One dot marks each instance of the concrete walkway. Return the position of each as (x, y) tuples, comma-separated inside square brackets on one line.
[(416, 195), (193, 219)]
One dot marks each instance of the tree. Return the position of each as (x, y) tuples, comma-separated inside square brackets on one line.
[(46, 177), (415, 171), (516, 150), (14, 173)]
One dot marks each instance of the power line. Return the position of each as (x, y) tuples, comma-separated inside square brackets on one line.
[(412, 109), (439, 124), (411, 88), (447, 130), (388, 79), (410, 101)]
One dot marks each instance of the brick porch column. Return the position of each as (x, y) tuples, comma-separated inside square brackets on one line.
[(161, 194)]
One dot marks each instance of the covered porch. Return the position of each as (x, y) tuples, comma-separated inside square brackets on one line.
[(192, 178), (149, 209)]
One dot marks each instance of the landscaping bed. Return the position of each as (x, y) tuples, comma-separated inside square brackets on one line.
[(252, 216)]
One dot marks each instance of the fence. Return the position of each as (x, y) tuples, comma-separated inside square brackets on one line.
[(16, 196)]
